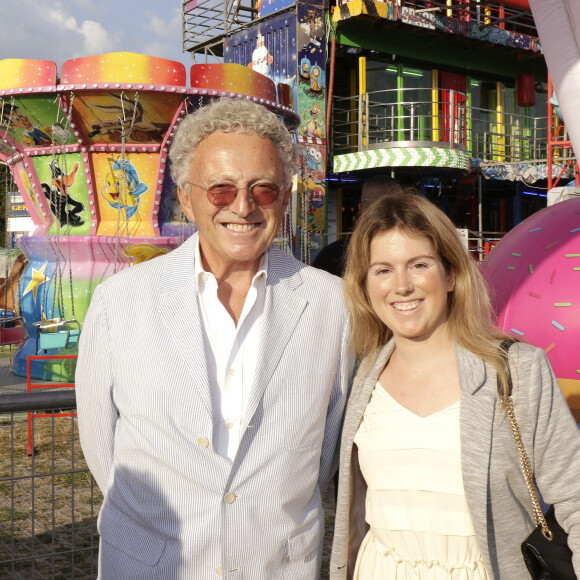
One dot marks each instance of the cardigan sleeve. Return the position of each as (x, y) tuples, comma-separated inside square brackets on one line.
[(556, 440)]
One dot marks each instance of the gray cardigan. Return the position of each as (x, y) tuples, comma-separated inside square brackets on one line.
[(497, 496)]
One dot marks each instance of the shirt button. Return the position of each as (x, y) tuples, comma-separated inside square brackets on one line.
[(229, 425), (203, 441), (218, 570), (230, 497), (231, 372)]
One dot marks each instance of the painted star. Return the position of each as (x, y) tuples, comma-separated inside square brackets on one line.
[(37, 279)]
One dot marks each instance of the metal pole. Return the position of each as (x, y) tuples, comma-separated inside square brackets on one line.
[(479, 214)]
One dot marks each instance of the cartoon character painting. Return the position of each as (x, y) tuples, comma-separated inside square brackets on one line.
[(11, 117), (65, 208), (311, 29), (313, 159), (314, 122), (261, 58), (126, 120), (123, 189), (315, 81)]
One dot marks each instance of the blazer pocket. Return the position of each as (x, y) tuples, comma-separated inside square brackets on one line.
[(128, 537), (307, 539)]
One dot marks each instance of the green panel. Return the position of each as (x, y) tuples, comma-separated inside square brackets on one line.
[(63, 181), (439, 49)]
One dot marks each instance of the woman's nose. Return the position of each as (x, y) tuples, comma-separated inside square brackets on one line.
[(403, 283)]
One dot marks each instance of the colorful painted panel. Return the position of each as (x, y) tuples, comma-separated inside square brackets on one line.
[(268, 48), (123, 67), (19, 73), (30, 193), (232, 77), (64, 186), (93, 259), (312, 186), (111, 116), (402, 157), (430, 20), (30, 119), (172, 220), (526, 172), (125, 203), (311, 72)]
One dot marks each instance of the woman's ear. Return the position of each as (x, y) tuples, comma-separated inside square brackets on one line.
[(450, 281)]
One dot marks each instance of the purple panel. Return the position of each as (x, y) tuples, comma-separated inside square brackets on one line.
[(268, 48)]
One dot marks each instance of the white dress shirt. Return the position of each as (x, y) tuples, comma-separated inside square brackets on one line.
[(230, 352)]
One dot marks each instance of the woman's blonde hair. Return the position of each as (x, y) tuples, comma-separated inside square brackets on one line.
[(469, 309)]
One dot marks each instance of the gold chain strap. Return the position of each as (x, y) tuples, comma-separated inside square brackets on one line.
[(527, 469)]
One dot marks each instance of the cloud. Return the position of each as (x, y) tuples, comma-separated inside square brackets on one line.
[(50, 31), (97, 39), (169, 29), (67, 29)]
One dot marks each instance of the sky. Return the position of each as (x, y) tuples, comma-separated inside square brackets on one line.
[(59, 31)]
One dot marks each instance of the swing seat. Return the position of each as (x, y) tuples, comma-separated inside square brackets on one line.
[(8, 319), (11, 329), (56, 335)]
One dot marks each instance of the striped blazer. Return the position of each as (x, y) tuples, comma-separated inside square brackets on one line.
[(173, 508)]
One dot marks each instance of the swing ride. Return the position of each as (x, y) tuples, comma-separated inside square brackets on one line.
[(89, 157)]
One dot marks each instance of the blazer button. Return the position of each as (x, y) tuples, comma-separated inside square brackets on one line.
[(218, 570), (230, 497), (203, 441)]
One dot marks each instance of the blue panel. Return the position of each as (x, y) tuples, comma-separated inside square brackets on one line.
[(269, 48)]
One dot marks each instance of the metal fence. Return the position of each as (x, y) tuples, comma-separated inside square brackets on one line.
[(48, 500)]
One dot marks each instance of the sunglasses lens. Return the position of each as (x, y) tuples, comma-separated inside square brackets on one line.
[(222, 194), (265, 193)]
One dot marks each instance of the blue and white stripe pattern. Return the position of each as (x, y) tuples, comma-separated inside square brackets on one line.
[(145, 418)]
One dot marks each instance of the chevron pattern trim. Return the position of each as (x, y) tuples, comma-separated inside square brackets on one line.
[(402, 157)]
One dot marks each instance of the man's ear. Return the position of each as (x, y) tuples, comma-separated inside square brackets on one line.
[(185, 203), (287, 195)]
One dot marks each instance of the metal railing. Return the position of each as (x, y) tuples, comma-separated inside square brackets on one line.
[(48, 501), (434, 118)]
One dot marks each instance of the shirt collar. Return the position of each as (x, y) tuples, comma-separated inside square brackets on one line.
[(201, 274)]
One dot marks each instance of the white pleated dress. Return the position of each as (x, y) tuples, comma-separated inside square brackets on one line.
[(420, 527)]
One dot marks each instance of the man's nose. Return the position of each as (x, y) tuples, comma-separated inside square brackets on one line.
[(244, 203)]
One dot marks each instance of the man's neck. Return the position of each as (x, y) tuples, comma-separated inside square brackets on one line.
[(234, 281)]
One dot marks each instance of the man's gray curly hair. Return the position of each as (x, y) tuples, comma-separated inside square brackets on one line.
[(230, 115)]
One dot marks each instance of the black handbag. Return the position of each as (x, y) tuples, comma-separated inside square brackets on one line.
[(549, 559), (546, 552)]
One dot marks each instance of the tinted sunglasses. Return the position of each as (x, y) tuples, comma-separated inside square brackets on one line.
[(223, 194)]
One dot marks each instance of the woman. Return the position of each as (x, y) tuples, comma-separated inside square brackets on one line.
[(430, 483)]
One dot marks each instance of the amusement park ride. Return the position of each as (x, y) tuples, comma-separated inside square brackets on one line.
[(88, 153)]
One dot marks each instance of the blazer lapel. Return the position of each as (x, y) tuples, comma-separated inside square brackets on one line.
[(179, 313), (478, 408), (282, 311)]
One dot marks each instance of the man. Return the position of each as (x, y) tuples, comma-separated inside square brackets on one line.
[(331, 258), (211, 381)]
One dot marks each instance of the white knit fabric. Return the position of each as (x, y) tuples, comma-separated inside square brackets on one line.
[(420, 526)]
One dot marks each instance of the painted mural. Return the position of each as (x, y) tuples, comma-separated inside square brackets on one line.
[(270, 49), (89, 157), (312, 111)]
